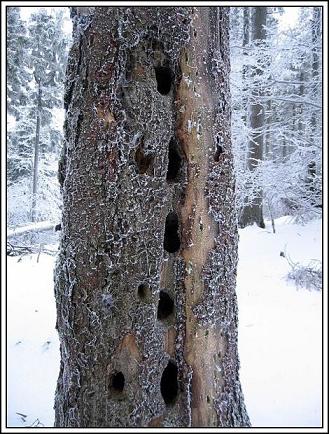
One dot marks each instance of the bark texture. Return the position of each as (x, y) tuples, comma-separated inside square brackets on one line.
[(145, 281)]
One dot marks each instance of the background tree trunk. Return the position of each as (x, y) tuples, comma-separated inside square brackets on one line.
[(245, 67), (36, 155), (316, 35), (253, 212), (145, 282)]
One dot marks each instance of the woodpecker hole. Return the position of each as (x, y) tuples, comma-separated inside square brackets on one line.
[(144, 161), (218, 153), (169, 383), (165, 306), (174, 162), (171, 238), (117, 383), (143, 291), (164, 79)]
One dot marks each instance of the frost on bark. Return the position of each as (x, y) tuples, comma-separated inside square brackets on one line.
[(145, 281)]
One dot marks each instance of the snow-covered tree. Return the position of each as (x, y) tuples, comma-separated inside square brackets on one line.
[(288, 94), (18, 74), (253, 210), (18, 80), (47, 61), (35, 138)]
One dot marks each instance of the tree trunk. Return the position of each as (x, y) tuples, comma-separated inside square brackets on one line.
[(245, 68), (36, 155), (145, 281), (301, 93), (268, 139), (253, 212), (311, 167), (32, 228)]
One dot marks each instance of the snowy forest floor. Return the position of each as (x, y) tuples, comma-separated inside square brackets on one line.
[(280, 331)]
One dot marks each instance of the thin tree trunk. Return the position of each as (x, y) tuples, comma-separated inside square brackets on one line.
[(284, 147), (268, 146), (36, 227), (311, 168), (245, 68), (145, 282), (36, 155), (301, 92), (253, 212)]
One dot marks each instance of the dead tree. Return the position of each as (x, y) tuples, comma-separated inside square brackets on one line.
[(145, 281)]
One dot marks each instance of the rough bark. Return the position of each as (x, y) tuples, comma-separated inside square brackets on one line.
[(253, 212), (145, 282)]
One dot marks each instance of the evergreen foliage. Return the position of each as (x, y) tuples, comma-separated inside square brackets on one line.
[(289, 87), (36, 59)]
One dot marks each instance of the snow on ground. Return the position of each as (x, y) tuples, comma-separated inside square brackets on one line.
[(33, 347), (280, 327), (280, 332)]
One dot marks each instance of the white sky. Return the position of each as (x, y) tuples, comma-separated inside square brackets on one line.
[(288, 20)]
